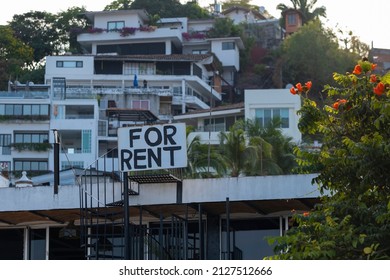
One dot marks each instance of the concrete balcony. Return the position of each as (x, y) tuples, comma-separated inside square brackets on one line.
[(190, 100), (163, 33)]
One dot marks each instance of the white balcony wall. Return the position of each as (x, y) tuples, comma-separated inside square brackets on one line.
[(132, 20), (159, 35), (200, 25)]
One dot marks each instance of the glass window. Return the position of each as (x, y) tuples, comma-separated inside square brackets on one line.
[(18, 165), (34, 165), (18, 109), (202, 51), (26, 165), (35, 109), (44, 110), (2, 109), (9, 109), (292, 19), (5, 140), (69, 64), (37, 244), (267, 117), (18, 138), (43, 138), (115, 25), (264, 116), (228, 46), (26, 138), (141, 104), (27, 110), (284, 118), (43, 165), (35, 138), (86, 141)]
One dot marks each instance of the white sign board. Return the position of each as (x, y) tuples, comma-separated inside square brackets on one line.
[(152, 147)]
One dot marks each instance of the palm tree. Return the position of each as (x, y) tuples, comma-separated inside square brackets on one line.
[(282, 146), (306, 8), (200, 161), (233, 149), (247, 154)]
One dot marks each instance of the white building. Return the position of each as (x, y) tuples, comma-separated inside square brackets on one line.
[(25, 128), (267, 104), (87, 97), (260, 104), (133, 73)]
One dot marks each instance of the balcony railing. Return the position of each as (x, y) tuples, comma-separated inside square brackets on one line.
[(24, 95), (88, 93)]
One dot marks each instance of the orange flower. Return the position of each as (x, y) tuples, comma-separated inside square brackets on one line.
[(308, 85), (379, 89), (358, 70), (299, 87), (373, 78), (373, 66), (306, 214), (293, 90), (337, 104)]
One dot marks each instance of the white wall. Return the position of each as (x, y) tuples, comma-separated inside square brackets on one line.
[(275, 98), (3, 182), (194, 190), (132, 20), (70, 73), (227, 57)]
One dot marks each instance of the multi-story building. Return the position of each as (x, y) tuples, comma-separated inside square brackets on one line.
[(262, 105), (25, 128), (134, 73)]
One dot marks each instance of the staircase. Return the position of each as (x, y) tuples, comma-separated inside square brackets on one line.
[(106, 232)]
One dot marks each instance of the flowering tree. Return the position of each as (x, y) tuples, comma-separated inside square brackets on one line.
[(353, 219)]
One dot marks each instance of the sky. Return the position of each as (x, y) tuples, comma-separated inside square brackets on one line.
[(368, 20)]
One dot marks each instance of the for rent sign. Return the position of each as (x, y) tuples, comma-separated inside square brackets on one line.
[(152, 147)]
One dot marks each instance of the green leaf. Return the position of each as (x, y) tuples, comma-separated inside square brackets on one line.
[(386, 78), (367, 250)]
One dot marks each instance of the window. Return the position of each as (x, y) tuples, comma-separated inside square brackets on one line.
[(292, 19), (79, 112), (86, 139), (264, 116), (69, 64), (203, 51), (115, 25), (217, 124), (133, 68), (72, 164), (24, 110), (5, 140), (35, 137), (140, 104), (228, 46), (30, 165)]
